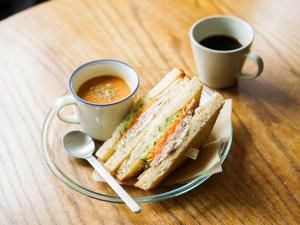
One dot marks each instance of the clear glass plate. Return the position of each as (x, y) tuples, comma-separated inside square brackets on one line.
[(76, 173)]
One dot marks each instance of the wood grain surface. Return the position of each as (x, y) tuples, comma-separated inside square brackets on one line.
[(41, 46)]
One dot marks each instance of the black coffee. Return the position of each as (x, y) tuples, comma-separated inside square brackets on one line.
[(220, 42)]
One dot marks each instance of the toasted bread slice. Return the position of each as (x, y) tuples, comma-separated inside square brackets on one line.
[(199, 130)]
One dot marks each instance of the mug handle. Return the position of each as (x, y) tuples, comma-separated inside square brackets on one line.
[(259, 63), (61, 103)]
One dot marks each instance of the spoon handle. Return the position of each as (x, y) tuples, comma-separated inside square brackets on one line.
[(114, 184)]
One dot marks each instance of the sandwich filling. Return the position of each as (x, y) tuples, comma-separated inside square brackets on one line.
[(144, 114), (170, 135)]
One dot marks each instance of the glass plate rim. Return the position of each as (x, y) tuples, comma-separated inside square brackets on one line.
[(116, 199)]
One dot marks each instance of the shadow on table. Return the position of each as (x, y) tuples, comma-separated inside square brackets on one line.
[(262, 92)]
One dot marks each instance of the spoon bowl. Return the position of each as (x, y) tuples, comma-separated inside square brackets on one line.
[(78, 144)]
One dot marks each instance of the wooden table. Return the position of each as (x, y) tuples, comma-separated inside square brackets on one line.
[(41, 46)]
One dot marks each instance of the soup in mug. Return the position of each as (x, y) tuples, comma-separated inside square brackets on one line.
[(104, 89)]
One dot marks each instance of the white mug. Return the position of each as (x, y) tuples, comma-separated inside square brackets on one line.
[(98, 120), (217, 68)]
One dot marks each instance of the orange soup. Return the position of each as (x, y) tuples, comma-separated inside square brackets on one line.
[(104, 89)]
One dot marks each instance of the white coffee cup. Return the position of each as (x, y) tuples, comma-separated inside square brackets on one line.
[(98, 120), (217, 68)]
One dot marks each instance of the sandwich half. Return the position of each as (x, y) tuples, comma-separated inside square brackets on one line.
[(108, 148), (169, 152), (176, 112)]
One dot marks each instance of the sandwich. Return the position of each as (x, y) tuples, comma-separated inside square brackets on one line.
[(151, 142)]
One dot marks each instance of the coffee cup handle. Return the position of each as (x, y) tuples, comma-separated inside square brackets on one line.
[(61, 103), (259, 63)]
